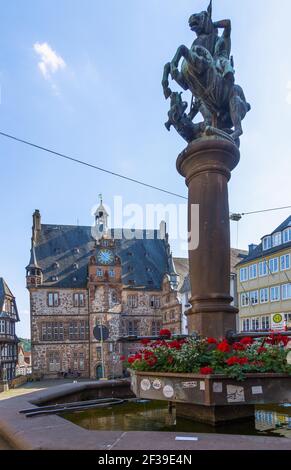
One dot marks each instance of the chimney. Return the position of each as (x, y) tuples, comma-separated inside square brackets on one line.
[(163, 230), (252, 248), (36, 227)]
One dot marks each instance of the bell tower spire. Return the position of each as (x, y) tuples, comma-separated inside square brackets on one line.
[(101, 218)]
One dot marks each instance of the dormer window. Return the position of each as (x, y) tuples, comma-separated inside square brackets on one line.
[(56, 265), (76, 251), (267, 243), (55, 278), (287, 235), (75, 266), (277, 239)]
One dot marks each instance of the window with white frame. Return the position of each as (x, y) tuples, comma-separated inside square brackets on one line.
[(263, 268), (114, 297), (267, 243), (285, 262), (253, 271), (254, 297), (286, 291), (79, 299), (155, 302), (274, 265), (53, 299), (132, 301), (244, 299), (275, 294), (244, 274), (54, 362), (99, 273), (277, 239), (287, 235), (111, 273), (246, 324), (265, 323), (264, 295), (2, 327), (82, 361), (255, 324)]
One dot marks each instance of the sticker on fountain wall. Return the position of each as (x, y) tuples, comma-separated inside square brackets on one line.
[(157, 384), (189, 384), (202, 385), (217, 387), (257, 390), (145, 385), (168, 391), (235, 394)]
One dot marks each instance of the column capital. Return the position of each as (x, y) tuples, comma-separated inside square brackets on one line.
[(208, 155)]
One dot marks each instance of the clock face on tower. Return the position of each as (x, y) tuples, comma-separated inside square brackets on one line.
[(105, 257)]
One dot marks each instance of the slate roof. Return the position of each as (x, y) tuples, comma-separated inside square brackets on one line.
[(258, 252), (6, 292), (64, 251), (182, 268)]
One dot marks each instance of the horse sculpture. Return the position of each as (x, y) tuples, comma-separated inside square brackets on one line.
[(207, 71)]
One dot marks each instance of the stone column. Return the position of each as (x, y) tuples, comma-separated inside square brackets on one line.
[(207, 164)]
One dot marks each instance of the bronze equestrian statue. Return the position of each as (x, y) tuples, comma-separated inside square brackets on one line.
[(207, 70)]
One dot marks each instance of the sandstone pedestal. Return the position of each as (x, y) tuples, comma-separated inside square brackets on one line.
[(215, 415), (206, 165)]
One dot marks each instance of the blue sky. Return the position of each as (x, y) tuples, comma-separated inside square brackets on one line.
[(98, 97)]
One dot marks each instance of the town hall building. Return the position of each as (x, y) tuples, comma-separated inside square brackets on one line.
[(79, 277)]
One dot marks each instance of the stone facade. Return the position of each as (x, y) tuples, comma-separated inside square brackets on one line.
[(77, 282)]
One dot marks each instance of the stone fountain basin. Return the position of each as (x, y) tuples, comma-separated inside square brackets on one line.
[(212, 390)]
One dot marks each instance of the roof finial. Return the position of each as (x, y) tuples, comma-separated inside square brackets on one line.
[(100, 198)]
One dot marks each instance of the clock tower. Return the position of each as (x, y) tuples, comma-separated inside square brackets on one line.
[(105, 305)]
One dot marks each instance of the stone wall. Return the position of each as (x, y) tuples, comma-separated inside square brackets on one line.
[(39, 302), (108, 304), (66, 356)]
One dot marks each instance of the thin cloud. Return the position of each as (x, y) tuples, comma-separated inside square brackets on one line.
[(50, 62)]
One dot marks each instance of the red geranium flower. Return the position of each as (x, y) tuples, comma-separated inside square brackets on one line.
[(277, 339), (166, 333), (122, 358), (148, 354), (152, 361), (224, 346), (262, 350), (247, 341), (170, 360), (238, 347), (237, 360), (206, 371), (145, 341), (131, 359), (175, 344), (211, 341)]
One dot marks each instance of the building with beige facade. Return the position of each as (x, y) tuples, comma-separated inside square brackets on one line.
[(264, 283)]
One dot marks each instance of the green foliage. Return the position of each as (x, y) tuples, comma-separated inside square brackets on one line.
[(26, 344)]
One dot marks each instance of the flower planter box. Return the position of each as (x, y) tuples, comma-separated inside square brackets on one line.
[(212, 390)]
